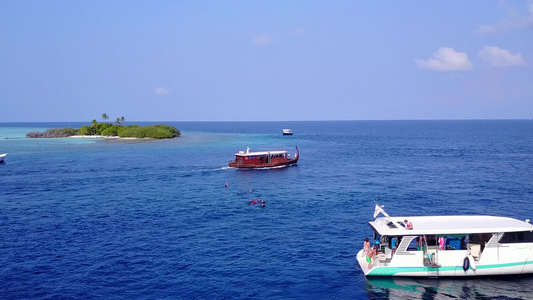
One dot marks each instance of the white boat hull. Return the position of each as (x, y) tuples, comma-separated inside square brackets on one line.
[(2, 156), (451, 264)]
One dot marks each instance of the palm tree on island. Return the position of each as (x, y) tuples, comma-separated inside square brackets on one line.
[(119, 120), (105, 117), (93, 125)]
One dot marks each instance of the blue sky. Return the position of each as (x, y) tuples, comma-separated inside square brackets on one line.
[(265, 60)]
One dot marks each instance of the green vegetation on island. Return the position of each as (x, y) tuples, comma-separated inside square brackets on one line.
[(111, 130)]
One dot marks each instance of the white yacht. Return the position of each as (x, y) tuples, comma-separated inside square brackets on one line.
[(287, 131), (2, 156), (448, 246)]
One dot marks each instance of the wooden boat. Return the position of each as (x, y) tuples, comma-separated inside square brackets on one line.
[(448, 246), (2, 156), (264, 159), (286, 132)]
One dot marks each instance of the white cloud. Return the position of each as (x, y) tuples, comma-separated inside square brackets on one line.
[(486, 29), (500, 57), (297, 31), (265, 39), (268, 39), (514, 20), (446, 59), (161, 91)]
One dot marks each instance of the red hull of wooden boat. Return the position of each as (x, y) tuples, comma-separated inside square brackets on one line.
[(287, 163)]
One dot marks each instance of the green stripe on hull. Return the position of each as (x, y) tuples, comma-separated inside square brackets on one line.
[(391, 271), (505, 265)]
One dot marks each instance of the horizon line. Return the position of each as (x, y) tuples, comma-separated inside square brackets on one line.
[(325, 120)]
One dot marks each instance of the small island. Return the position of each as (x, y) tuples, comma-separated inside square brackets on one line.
[(110, 130)]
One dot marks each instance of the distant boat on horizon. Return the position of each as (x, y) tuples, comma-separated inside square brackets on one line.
[(286, 131)]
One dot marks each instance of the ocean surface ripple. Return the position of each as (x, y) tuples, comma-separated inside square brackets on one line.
[(84, 219)]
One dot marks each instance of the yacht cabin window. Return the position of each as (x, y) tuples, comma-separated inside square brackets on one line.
[(517, 237)]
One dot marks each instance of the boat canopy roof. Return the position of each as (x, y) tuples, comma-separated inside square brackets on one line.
[(242, 153), (448, 225)]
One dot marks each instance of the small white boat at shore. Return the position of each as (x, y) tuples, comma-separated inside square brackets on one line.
[(2, 156), (448, 246)]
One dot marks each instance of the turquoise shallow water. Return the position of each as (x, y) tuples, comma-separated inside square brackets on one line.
[(82, 218)]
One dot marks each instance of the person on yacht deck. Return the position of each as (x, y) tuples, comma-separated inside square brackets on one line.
[(408, 225), (368, 252), (394, 245), (366, 247)]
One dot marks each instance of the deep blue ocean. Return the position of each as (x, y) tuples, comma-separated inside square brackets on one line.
[(100, 219)]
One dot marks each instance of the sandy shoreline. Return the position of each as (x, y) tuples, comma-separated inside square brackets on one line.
[(91, 137), (106, 137)]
